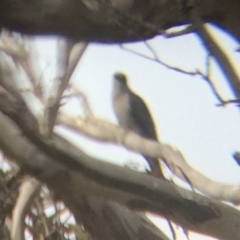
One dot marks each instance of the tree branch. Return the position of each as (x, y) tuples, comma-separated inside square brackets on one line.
[(28, 190), (69, 55), (112, 21), (107, 132), (215, 51)]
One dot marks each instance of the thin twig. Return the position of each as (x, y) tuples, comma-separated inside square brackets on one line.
[(212, 86), (154, 53), (186, 178), (174, 236), (236, 101), (191, 73), (86, 106)]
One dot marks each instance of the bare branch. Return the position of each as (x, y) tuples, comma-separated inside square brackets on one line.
[(157, 60), (69, 55), (28, 190), (213, 87), (186, 30), (225, 102), (111, 21), (104, 131), (174, 236), (215, 51)]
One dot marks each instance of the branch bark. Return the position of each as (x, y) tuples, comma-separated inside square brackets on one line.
[(115, 21)]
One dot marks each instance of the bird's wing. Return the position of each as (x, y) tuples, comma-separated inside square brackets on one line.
[(141, 116)]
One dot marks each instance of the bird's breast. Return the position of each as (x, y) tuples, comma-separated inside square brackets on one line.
[(122, 108)]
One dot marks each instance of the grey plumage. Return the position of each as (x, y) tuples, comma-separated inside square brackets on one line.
[(132, 114)]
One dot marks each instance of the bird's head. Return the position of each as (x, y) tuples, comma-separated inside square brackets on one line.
[(121, 78)]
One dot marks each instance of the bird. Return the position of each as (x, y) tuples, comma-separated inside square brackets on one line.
[(133, 114)]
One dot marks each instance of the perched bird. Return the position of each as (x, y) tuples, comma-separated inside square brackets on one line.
[(132, 114)]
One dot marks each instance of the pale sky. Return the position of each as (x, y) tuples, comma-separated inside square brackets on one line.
[(183, 107)]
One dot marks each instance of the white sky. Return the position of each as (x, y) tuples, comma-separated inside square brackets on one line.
[(184, 108)]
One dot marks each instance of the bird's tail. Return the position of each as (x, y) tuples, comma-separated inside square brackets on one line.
[(155, 167)]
